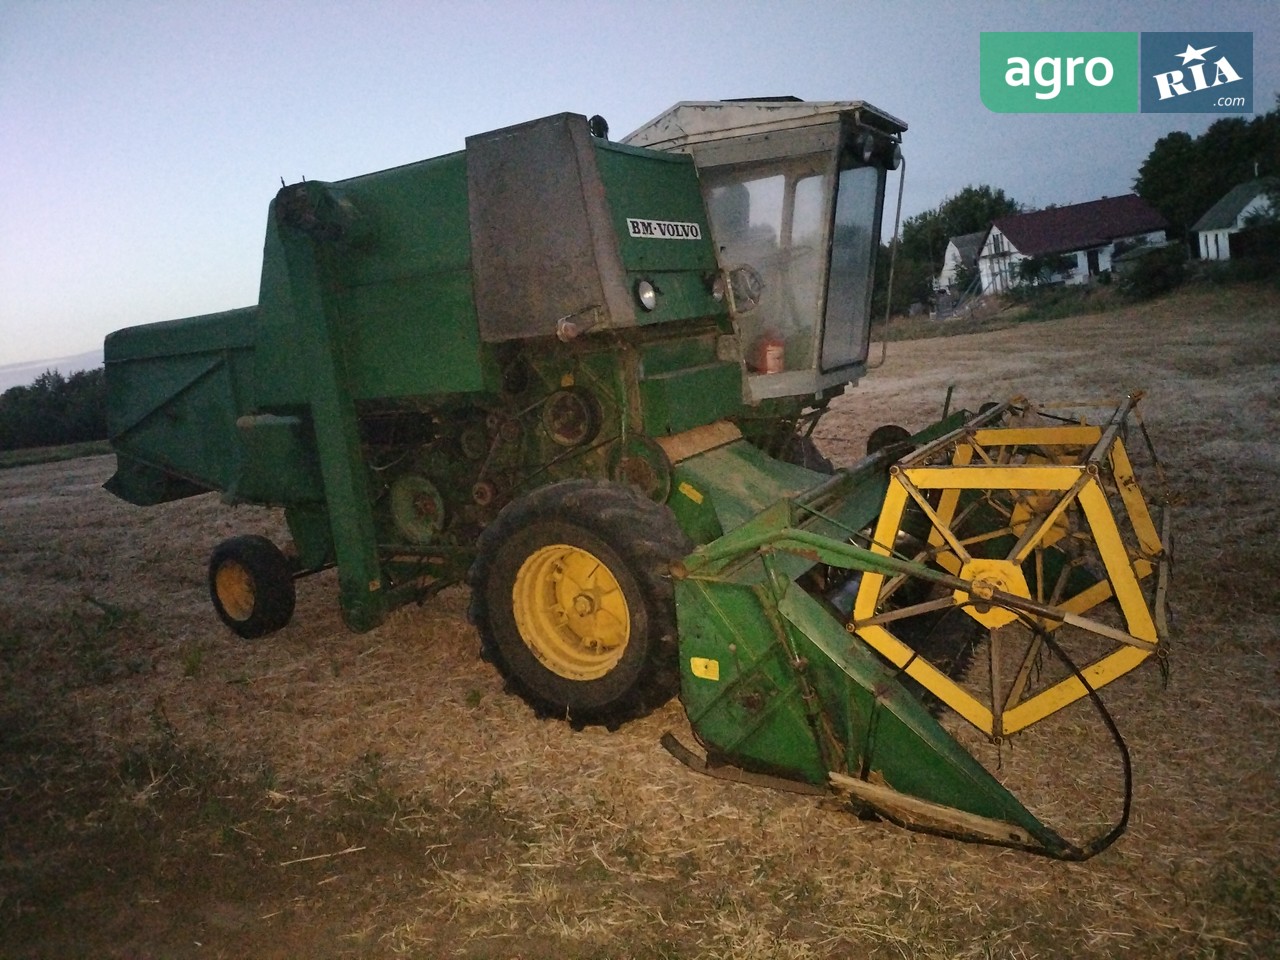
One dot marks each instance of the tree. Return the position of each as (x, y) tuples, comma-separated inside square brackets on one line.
[(974, 208), (54, 409), (924, 241), (1183, 177), (1035, 271), (966, 278)]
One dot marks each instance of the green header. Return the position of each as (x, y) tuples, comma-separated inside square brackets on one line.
[(1060, 72)]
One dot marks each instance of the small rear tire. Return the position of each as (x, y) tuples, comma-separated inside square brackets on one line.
[(251, 586)]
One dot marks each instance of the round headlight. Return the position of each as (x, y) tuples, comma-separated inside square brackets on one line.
[(864, 147), (646, 294), (892, 156)]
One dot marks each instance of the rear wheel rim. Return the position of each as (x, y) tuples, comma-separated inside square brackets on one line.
[(571, 612), (235, 590)]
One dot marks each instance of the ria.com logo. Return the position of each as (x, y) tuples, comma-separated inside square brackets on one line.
[(1197, 73), (1117, 72)]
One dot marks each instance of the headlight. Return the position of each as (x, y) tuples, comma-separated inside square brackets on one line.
[(864, 147), (647, 294), (891, 155)]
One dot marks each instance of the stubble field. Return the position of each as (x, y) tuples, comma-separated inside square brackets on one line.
[(168, 790)]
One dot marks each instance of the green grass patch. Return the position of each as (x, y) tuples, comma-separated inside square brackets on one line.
[(69, 451)]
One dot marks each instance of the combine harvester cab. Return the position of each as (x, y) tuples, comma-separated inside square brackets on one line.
[(582, 376)]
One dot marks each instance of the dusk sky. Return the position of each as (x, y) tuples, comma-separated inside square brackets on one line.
[(141, 142)]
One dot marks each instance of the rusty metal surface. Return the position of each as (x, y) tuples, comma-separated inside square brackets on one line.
[(543, 248)]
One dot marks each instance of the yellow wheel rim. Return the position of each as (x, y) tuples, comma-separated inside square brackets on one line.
[(235, 590), (571, 612)]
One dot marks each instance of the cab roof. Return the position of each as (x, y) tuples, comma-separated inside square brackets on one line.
[(692, 122)]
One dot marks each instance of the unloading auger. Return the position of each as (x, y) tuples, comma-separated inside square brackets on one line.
[(1034, 532)]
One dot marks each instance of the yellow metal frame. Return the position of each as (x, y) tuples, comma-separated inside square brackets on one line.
[(1058, 465)]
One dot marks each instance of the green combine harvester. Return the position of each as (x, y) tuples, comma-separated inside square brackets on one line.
[(582, 376)]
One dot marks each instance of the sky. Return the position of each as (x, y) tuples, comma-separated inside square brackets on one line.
[(141, 142)]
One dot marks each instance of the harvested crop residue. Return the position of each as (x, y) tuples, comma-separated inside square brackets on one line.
[(167, 790)]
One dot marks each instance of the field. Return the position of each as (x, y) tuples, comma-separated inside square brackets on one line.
[(167, 790)]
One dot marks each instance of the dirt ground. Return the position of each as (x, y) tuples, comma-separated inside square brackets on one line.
[(168, 790)]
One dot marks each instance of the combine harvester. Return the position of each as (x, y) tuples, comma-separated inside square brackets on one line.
[(582, 376)]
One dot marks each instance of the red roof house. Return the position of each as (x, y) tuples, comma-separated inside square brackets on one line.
[(1076, 242)]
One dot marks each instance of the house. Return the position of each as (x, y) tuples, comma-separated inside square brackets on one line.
[(961, 251), (1229, 214), (1072, 243)]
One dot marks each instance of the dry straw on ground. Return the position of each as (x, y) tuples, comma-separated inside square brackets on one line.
[(326, 794)]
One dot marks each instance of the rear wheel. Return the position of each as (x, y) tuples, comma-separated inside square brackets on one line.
[(251, 586), (572, 596)]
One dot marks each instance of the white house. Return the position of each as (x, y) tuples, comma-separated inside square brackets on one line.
[(1229, 214), (961, 251), (1077, 241)]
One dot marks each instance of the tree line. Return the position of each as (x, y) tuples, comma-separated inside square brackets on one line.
[(53, 410), (1184, 176)]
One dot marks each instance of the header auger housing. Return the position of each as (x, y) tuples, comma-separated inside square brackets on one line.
[(582, 376)]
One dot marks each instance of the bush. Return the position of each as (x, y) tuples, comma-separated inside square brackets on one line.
[(1156, 271)]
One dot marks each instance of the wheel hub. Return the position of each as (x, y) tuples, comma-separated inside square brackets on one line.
[(986, 578), (571, 611), (235, 590)]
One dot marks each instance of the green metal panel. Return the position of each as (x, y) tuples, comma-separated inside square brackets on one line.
[(773, 682), (279, 465), (174, 391), (753, 711), (646, 185), (677, 401), (657, 188), (740, 481), (400, 288), (414, 338), (212, 333), (683, 384)]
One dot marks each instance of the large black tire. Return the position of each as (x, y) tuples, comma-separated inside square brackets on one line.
[(251, 586), (573, 599)]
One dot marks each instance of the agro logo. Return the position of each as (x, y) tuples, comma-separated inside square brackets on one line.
[(1197, 72), (1059, 72)]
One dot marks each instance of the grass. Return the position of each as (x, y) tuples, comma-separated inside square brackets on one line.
[(37, 455), (1056, 302)]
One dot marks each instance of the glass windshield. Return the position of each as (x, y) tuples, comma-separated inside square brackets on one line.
[(772, 219), (847, 329)]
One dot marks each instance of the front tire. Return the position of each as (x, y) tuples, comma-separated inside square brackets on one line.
[(251, 586), (572, 596)]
